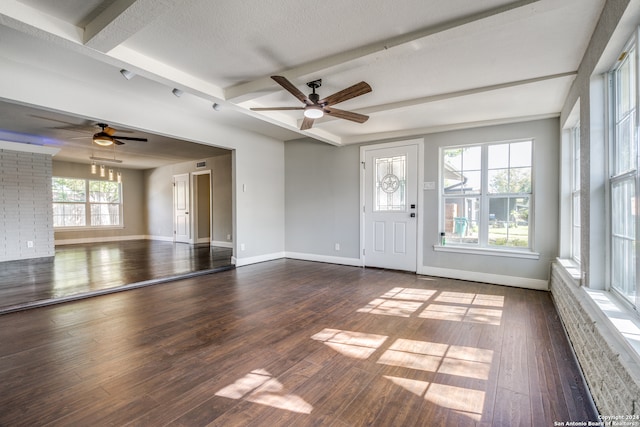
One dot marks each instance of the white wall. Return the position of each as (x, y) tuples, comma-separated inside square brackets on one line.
[(65, 81), (322, 199), (158, 201), (322, 205), (504, 270)]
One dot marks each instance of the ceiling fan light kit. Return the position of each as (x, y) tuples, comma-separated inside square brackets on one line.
[(103, 139), (313, 112), (315, 108)]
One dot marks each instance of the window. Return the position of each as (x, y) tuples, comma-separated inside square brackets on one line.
[(575, 193), (487, 194), (86, 203), (623, 181)]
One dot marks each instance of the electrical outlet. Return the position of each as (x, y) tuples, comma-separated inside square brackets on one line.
[(242, 246), (337, 247), (228, 236), (30, 244)]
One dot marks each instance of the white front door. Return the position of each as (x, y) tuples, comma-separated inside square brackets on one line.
[(390, 211), (181, 204)]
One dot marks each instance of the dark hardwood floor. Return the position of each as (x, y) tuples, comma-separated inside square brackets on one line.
[(90, 269), (293, 343)]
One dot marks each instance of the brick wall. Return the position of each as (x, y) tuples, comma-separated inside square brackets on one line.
[(609, 371), (25, 205)]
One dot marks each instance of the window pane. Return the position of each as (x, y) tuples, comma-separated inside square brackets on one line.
[(462, 170), (499, 156), (104, 192), (461, 217), (516, 180), (105, 214), (390, 185), (520, 154), (69, 215), (623, 237), (68, 190), (509, 221)]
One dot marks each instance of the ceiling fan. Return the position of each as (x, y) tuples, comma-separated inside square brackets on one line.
[(106, 136), (314, 107)]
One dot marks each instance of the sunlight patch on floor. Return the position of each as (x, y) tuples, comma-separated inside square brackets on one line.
[(357, 345), (462, 314), (465, 401), (259, 386), (455, 360), (452, 306)]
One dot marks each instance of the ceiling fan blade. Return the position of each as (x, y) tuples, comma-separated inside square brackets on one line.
[(307, 123), (277, 108), (115, 141), (347, 115), (289, 87), (109, 131), (345, 94), (130, 138)]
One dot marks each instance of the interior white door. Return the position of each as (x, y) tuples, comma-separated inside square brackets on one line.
[(390, 211), (181, 206)]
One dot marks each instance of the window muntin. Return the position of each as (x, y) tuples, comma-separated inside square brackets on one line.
[(86, 203), (487, 193)]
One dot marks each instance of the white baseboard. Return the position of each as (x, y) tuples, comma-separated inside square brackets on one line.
[(356, 262), (160, 238), (239, 262), (475, 276), (222, 244)]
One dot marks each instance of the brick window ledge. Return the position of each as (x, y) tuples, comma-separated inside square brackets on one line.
[(616, 324)]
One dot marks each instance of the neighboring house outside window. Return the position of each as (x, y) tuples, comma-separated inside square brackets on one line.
[(487, 195), (86, 203), (623, 181)]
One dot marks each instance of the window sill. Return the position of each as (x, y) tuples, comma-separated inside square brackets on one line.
[(624, 320), (619, 321), (572, 269), (487, 251)]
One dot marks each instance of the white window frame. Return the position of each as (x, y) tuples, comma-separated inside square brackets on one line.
[(575, 194), (87, 203), (620, 177), (483, 245)]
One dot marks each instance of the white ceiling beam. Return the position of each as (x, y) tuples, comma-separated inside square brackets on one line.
[(239, 92), (449, 95), (26, 19), (122, 20), (407, 133)]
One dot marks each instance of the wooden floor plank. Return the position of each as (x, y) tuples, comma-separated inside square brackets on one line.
[(83, 269), (293, 343)]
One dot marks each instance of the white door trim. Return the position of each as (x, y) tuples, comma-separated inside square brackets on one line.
[(419, 142)]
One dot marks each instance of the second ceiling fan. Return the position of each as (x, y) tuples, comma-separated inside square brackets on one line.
[(314, 107), (106, 136)]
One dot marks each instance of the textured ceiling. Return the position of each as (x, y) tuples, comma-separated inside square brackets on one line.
[(432, 65)]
